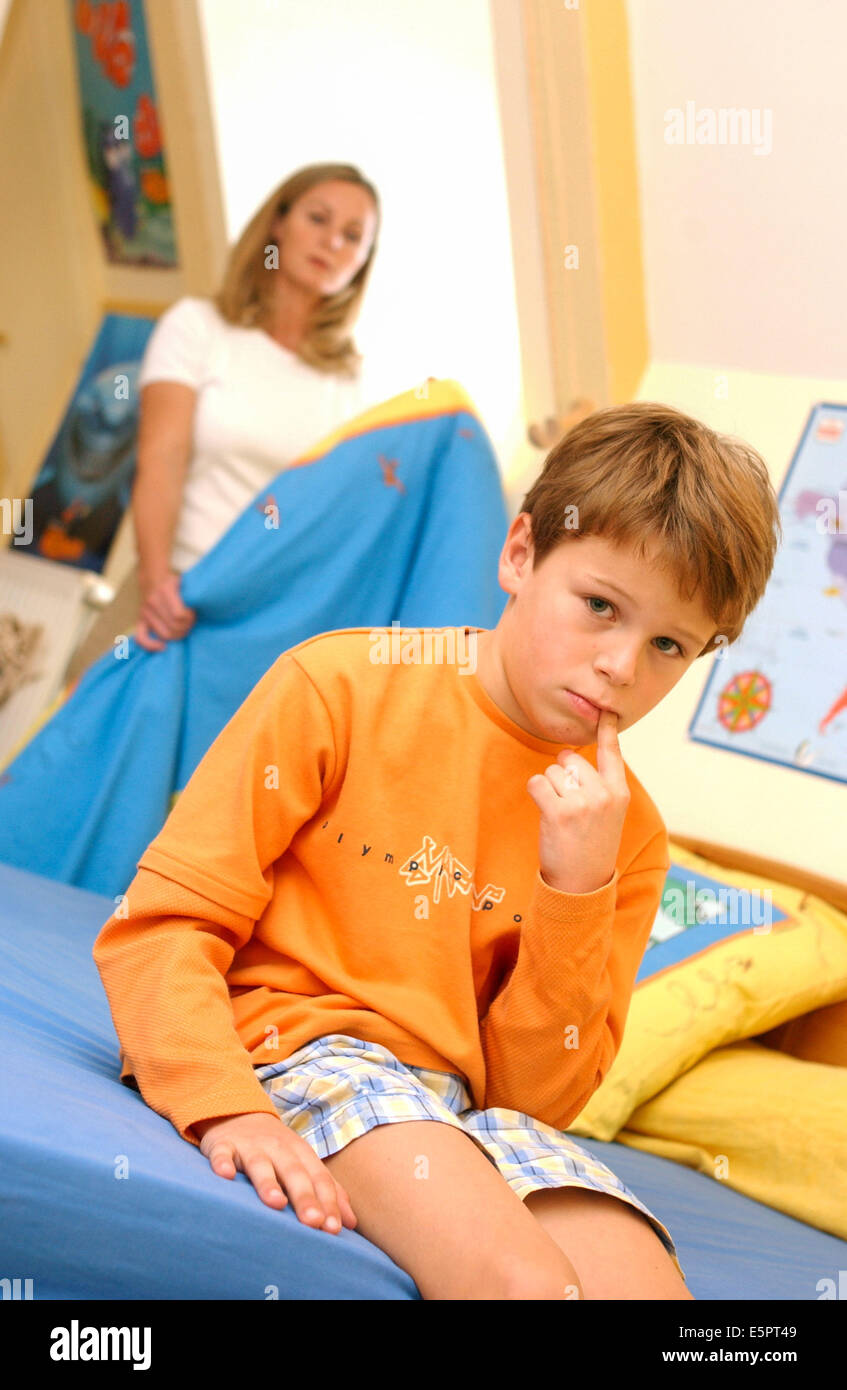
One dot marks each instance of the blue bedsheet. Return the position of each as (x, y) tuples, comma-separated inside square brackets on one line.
[(172, 1229), (399, 517)]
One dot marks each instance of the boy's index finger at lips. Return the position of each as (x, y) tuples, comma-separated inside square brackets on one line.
[(609, 754)]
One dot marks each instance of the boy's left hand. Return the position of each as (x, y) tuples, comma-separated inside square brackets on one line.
[(582, 813)]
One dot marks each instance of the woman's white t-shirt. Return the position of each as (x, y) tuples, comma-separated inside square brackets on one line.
[(259, 407)]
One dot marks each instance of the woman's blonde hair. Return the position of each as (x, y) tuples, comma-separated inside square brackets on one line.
[(646, 474), (243, 296)]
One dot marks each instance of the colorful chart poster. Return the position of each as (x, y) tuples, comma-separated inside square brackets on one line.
[(85, 484), (780, 692), (123, 142)]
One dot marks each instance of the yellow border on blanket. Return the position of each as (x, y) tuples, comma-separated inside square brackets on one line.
[(432, 397)]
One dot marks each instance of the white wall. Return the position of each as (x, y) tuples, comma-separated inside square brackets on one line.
[(745, 255), (778, 812), (746, 283), (407, 93)]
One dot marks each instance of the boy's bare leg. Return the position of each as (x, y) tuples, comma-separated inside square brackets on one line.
[(614, 1247), (426, 1194)]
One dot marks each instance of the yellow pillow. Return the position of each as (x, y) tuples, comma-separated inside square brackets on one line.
[(709, 978), (768, 1125)]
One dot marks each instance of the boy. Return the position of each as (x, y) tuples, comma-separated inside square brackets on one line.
[(399, 892)]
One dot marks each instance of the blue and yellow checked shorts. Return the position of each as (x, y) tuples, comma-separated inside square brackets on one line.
[(336, 1088)]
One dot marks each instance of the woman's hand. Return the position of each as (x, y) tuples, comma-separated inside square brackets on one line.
[(582, 813), (163, 613)]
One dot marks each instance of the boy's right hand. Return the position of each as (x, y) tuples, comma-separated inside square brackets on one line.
[(261, 1146)]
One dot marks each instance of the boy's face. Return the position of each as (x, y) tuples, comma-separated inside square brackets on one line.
[(593, 619)]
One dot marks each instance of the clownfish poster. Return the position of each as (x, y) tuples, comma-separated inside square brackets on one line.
[(120, 126)]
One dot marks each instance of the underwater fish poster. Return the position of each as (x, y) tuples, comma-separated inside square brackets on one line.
[(123, 140), (84, 486), (780, 691)]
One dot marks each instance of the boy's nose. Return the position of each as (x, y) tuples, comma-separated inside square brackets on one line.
[(619, 669)]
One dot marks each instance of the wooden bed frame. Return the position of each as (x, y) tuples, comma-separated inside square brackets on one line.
[(831, 890)]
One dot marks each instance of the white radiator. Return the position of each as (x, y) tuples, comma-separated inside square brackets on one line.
[(63, 600)]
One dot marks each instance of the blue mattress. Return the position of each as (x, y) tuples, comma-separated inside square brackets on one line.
[(172, 1229)]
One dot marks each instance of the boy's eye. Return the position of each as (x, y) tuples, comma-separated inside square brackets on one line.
[(593, 598)]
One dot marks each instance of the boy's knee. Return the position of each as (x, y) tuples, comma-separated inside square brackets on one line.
[(543, 1279)]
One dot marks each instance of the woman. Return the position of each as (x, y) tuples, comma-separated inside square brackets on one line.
[(234, 388)]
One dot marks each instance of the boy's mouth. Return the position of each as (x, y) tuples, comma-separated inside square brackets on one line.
[(586, 706)]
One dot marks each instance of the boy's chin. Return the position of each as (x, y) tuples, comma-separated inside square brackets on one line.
[(567, 733)]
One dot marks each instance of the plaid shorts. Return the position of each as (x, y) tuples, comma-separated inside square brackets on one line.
[(335, 1088)]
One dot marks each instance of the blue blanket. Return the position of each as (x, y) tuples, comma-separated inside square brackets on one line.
[(397, 517)]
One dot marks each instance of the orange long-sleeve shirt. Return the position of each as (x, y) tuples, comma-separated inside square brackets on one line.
[(357, 853)]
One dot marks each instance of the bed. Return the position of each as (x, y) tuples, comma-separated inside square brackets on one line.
[(102, 1199)]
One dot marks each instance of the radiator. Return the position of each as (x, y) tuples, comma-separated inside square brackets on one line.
[(63, 600)]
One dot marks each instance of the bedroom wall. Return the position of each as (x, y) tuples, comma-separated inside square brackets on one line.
[(744, 252), (746, 293), (408, 94), (55, 281)]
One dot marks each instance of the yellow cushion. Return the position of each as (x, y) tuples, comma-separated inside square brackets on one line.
[(742, 985), (763, 1123)]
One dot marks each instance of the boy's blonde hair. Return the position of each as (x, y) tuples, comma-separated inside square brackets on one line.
[(242, 299), (646, 474)]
